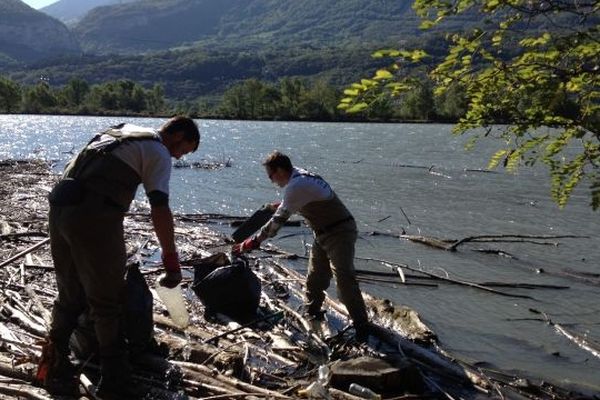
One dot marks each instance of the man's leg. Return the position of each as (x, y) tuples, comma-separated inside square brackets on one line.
[(101, 257), (317, 279), (55, 370), (340, 250)]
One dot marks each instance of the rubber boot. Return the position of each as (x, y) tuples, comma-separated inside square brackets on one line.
[(363, 331), (317, 322), (116, 382), (55, 371)]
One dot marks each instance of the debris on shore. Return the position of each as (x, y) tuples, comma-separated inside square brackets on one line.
[(279, 354)]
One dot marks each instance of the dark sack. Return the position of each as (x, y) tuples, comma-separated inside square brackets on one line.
[(139, 323), (233, 290), (137, 320)]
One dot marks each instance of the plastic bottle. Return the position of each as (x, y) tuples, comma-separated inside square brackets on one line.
[(363, 392), (173, 300), (323, 375), (318, 389)]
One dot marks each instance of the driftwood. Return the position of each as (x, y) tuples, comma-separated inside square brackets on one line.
[(394, 266), (581, 341), (452, 244), (273, 361), (513, 239), (11, 236), (24, 252), (459, 282)]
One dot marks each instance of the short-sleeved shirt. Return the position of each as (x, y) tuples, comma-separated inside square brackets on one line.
[(150, 159)]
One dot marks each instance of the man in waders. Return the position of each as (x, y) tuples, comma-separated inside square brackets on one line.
[(335, 232), (87, 208)]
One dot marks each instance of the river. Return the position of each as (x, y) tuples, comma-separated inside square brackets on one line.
[(372, 168)]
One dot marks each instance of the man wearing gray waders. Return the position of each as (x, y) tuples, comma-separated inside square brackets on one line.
[(87, 208), (335, 235)]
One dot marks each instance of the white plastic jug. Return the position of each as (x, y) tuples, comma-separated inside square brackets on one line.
[(173, 300)]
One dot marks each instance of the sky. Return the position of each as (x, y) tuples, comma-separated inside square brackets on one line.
[(38, 3)]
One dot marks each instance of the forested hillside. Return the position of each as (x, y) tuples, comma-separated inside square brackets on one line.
[(27, 35), (198, 49), (160, 24), (71, 11)]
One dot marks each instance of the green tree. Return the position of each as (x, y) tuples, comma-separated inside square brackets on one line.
[(319, 102), (251, 99), (234, 104), (74, 93), (121, 95), (291, 92), (40, 99), (156, 99), (452, 104), (10, 95), (533, 66), (418, 103)]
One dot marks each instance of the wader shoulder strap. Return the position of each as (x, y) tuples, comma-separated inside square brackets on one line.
[(89, 153)]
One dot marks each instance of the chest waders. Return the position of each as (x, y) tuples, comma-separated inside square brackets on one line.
[(332, 255), (88, 249)]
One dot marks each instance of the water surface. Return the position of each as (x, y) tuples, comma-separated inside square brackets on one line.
[(367, 166)]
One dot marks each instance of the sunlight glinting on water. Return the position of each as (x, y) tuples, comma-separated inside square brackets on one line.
[(393, 177)]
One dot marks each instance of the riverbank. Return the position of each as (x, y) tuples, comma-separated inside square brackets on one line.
[(215, 357)]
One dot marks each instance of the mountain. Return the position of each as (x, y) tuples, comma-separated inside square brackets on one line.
[(199, 48), (71, 11), (160, 24), (27, 35)]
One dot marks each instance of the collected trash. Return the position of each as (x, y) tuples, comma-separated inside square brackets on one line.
[(232, 289), (363, 392), (318, 389), (172, 298)]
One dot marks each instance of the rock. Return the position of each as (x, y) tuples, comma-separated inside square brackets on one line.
[(378, 375)]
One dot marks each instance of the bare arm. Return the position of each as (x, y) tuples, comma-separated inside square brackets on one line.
[(162, 219)]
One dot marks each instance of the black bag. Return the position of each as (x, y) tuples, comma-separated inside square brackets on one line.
[(137, 321), (252, 224), (233, 290)]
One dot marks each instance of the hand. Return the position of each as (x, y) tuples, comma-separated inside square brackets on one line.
[(171, 262), (170, 279), (272, 206), (245, 247)]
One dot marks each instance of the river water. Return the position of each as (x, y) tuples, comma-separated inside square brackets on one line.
[(371, 167)]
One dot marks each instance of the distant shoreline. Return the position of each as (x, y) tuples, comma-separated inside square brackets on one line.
[(220, 118)]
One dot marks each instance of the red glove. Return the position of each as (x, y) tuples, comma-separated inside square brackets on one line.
[(273, 206), (245, 247), (171, 262)]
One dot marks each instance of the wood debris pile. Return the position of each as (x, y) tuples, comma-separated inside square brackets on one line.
[(279, 355)]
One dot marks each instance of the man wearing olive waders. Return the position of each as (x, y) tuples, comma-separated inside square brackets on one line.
[(335, 233), (87, 208)]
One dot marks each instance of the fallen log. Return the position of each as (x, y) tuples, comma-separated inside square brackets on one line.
[(581, 341), (24, 252), (229, 381), (512, 239), (23, 391)]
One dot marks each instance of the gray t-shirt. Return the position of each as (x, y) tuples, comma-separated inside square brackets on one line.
[(150, 159), (302, 188)]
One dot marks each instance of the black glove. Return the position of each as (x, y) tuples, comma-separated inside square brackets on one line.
[(170, 279)]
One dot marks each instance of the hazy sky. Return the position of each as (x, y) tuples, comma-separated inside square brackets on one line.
[(39, 3)]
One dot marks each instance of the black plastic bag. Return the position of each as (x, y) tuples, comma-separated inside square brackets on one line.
[(137, 321), (233, 290)]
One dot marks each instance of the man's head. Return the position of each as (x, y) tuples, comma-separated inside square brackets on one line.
[(278, 167), (180, 136)]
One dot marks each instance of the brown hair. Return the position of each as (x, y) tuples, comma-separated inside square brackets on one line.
[(278, 160), (182, 124)]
